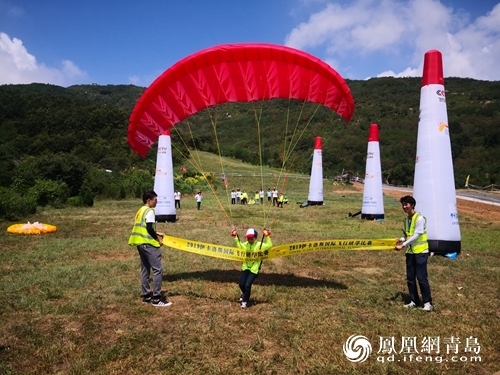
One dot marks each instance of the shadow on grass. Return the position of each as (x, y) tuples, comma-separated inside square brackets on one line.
[(233, 276), (400, 297)]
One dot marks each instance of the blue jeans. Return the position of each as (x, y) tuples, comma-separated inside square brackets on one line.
[(150, 259), (416, 269), (246, 280)]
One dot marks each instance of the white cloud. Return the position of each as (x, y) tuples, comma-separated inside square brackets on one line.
[(408, 72), (134, 80), (403, 31), (18, 66)]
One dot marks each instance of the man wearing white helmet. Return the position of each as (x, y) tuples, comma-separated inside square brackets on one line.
[(250, 269)]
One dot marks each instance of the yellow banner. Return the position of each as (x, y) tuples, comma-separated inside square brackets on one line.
[(240, 255)]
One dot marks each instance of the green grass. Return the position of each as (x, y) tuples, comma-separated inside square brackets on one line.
[(70, 301)]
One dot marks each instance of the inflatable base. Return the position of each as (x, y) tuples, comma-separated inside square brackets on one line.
[(166, 218), (444, 247), (372, 216), (312, 203)]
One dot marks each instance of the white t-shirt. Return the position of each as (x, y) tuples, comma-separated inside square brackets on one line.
[(150, 216), (177, 195)]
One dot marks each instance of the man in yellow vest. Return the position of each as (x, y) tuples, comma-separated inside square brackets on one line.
[(249, 269), (148, 242), (417, 254)]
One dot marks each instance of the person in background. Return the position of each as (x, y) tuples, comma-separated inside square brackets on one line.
[(256, 197), (177, 199), (281, 199), (261, 195), (417, 254), (199, 198), (148, 242), (250, 269), (275, 196), (244, 197), (238, 196), (233, 197), (269, 194)]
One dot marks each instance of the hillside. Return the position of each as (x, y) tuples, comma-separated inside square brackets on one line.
[(89, 123)]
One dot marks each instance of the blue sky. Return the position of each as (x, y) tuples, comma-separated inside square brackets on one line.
[(132, 42)]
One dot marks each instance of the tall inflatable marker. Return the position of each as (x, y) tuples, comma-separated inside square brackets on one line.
[(315, 197), (373, 196), (164, 180), (434, 183)]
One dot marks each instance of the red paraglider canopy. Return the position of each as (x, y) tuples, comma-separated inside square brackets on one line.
[(234, 73)]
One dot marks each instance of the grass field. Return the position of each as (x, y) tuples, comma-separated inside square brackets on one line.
[(70, 301)]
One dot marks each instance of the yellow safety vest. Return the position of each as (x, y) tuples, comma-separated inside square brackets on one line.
[(421, 244), (254, 267), (140, 235)]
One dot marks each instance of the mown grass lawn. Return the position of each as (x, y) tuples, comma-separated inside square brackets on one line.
[(70, 301)]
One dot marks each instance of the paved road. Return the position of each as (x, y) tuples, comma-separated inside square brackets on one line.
[(477, 196), (472, 195)]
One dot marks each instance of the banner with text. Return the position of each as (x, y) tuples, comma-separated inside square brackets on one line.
[(241, 255)]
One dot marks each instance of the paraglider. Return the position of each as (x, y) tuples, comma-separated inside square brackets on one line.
[(234, 73), (250, 72), (31, 228)]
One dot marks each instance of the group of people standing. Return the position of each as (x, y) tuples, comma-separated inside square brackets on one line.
[(148, 242), (241, 197)]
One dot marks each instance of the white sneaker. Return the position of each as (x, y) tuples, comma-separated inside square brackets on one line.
[(243, 305), (160, 303), (411, 305), (428, 306)]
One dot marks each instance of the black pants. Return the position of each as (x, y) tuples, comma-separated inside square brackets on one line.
[(246, 280), (177, 203), (416, 269)]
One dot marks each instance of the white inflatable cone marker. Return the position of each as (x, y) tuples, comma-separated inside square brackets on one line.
[(373, 196), (315, 197), (164, 180), (434, 184)]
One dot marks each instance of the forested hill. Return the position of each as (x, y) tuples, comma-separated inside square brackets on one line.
[(88, 124)]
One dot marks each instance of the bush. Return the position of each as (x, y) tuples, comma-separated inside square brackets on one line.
[(55, 167), (75, 201), (48, 192), (86, 197), (137, 181), (14, 206)]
